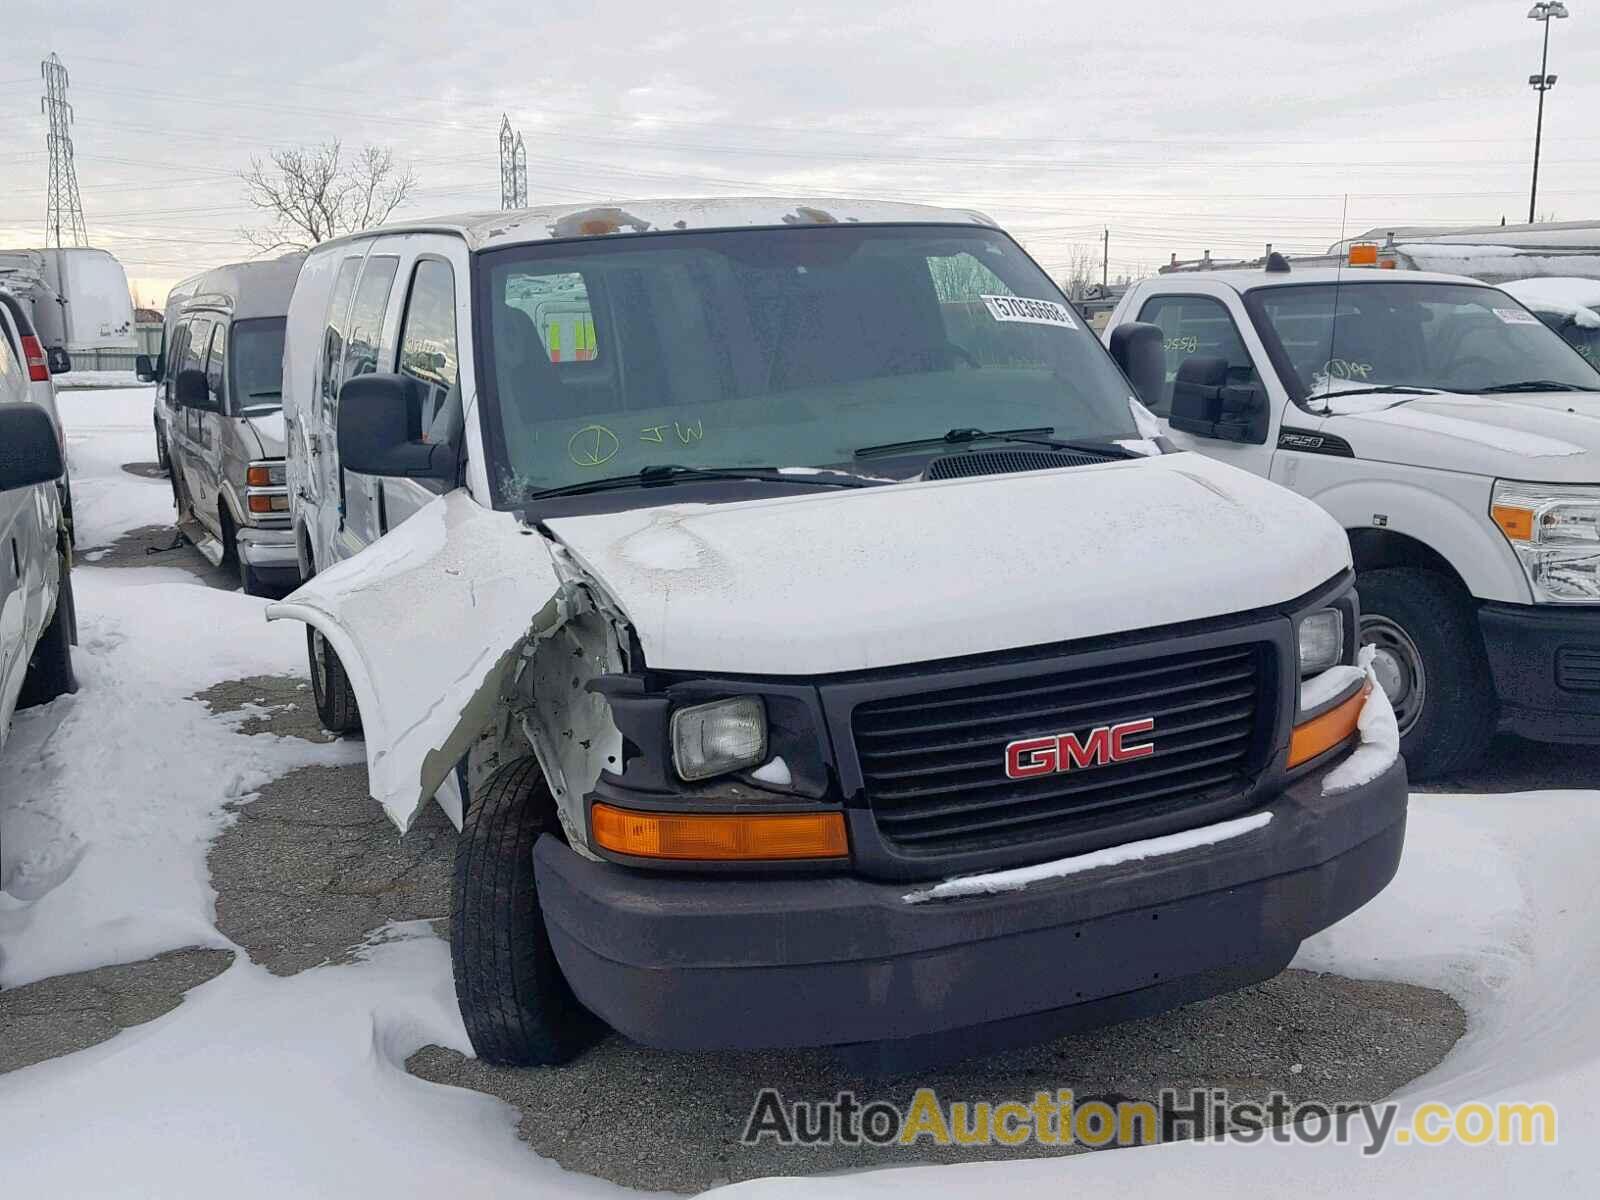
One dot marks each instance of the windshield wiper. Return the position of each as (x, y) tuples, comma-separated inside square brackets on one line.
[(1028, 437), (1403, 389), (665, 473), (1536, 385)]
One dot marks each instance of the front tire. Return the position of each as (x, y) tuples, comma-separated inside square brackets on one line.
[(163, 458), (50, 669), (517, 1006), (330, 686), (1431, 663)]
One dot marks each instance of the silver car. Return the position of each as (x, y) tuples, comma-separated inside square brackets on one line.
[(219, 418)]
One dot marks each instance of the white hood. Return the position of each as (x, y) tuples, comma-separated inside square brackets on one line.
[(1546, 437), (851, 580)]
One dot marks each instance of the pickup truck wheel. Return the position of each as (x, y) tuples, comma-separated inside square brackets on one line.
[(50, 669), (1431, 663), (330, 686), (517, 1006)]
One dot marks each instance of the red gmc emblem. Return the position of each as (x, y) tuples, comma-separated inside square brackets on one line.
[(1030, 758)]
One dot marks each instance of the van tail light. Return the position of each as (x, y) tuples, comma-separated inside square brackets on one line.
[(38, 364)]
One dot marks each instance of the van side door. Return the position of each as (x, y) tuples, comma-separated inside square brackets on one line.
[(186, 420), (211, 434), (16, 536), (430, 336), (363, 353)]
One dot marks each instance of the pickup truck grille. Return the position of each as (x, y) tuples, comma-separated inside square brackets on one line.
[(933, 763)]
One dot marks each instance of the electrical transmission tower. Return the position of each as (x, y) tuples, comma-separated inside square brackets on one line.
[(63, 206), (513, 167)]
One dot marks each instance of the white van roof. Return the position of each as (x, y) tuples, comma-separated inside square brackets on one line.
[(485, 230), (248, 289)]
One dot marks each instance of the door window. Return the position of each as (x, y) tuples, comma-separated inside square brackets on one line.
[(195, 343), (428, 350), (366, 317), (333, 335), (217, 363), (1197, 327)]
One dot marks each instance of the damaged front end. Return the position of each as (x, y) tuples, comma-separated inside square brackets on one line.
[(432, 628)]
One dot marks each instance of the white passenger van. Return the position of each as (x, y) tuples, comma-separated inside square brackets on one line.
[(791, 657), (1457, 441)]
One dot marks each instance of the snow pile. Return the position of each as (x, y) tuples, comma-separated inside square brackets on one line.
[(1380, 737), (104, 431), (74, 380), (1020, 877), (1578, 299)]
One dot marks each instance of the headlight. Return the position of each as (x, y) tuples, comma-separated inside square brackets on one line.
[(265, 474), (1555, 531), (1321, 636), (713, 739)]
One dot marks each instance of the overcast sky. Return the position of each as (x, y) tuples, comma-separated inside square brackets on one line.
[(1208, 124)]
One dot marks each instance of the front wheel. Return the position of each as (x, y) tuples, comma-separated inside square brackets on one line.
[(330, 686), (516, 1004), (1430, 661), (50, 669)]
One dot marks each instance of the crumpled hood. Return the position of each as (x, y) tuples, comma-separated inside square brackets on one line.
[(269, 433), (852, 580), (1546, 437)]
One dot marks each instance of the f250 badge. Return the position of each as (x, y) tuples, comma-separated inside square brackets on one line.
[(1030, 758)]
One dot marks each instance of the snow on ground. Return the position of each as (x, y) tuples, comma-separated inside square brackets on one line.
[(74, 380), (106, 429), (265, 1086)]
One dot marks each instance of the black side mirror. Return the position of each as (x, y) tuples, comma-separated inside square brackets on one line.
[(1137, 349), (143, 369), (58, 360), (192, 391), (1205, 404), (30, 450), (380, 433)]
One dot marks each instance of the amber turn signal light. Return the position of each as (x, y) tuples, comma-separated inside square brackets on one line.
[(1516, 523), (719, 837), (258, 476), (1323, 733)]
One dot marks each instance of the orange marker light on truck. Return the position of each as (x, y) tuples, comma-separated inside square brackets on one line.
[(720, 837), (1516, 523), (258, 476), (1323, 733)]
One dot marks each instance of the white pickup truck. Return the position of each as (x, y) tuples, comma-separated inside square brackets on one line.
[(1456, 439)]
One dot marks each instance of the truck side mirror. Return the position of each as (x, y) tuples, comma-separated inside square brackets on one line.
[(192, 391), (142, 368), (30, 451), (380, 430), (58, 360), (1137, 349), (1205, 404)]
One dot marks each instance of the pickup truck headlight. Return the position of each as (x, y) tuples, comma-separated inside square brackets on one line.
[(1555, 531), (1321, 638), (713, 739)]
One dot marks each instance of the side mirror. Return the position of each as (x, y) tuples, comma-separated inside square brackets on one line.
[(1137, 349), (1205, 404), (58, 360), (192, 391), (30, 450), (143, 369), (380, 433)]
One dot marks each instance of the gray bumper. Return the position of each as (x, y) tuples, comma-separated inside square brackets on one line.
[(744, 963)]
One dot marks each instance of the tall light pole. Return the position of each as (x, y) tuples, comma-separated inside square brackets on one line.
[(1544, 11)]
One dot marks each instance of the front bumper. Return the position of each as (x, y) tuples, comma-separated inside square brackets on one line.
[(1546, 664), (270, 553), (746, 963)]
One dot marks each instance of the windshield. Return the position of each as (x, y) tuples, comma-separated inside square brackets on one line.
[(1454, 337), (778, 348), (256, 357)]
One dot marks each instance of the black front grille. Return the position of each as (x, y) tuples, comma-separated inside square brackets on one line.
[(1006, 462), (1578, 668), (933, 764)]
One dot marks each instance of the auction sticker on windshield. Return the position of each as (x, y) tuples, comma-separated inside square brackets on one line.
[(1032, 312), (1515, 316)]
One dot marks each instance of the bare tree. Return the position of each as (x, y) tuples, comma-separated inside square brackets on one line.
[(311, 195), (1079, 270)]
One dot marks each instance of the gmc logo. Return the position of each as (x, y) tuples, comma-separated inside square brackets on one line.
[(1029, 758)]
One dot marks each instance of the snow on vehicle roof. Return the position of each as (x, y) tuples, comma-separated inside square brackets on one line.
[(249, 289), (1572, 297), (485, 230), (1244, 281)]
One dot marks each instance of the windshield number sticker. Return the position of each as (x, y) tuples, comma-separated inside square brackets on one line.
[(1029, 312), (1515, 316)]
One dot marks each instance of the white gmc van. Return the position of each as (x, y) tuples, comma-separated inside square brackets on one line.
[(1453, 436), (814, 646)]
